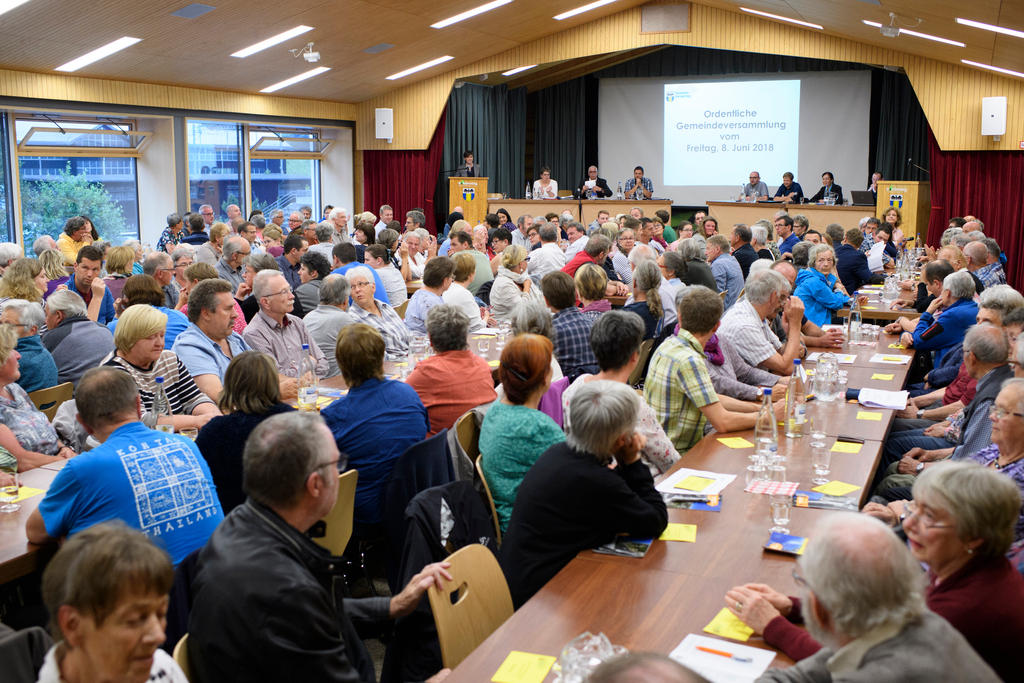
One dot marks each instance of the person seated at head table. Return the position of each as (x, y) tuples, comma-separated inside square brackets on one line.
[(756, 189), (106, 591), (570, 500), (139, 350), (874, 624), (545, 187), (639, 186), (25, 431), (789, 191), (592, 186), (960, 526), (36, 365), (828, 189), (251, 394), (818, 287)]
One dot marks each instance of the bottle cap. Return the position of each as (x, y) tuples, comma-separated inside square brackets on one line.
[(767, 391), (159, 380), (796, 361), (305, 347)]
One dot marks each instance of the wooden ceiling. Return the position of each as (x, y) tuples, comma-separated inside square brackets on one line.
[(42, 34)]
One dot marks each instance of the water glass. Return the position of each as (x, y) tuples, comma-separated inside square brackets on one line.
[(9, 482), (780, 506), (484, 345), (755, 472), (777, 472), (190, 432), (821, 461)]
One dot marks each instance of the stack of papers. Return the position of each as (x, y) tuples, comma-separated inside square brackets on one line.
[(892, 360), (685, 481), (879, 398), (720, 661), (844, 358)]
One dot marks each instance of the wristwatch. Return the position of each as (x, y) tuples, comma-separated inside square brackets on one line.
[(920, 413), (920, 466)]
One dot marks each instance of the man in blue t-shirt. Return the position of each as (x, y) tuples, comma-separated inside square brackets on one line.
[(785, 235), (151, 480)]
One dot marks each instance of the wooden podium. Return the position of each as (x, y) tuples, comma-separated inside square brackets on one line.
[(914, 200), (471, 195)]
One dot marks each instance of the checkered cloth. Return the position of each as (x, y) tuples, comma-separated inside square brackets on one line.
[(782, 488)]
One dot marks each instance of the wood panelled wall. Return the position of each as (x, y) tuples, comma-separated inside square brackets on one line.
[(80, 89), (950, 94)]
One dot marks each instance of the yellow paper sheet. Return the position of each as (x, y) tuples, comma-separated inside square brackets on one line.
[(836, 488), (727, 625), (871, 417), (870, 308), (846, 447), (897, 346), (25, 492), (735, 442), (679, 532), (893, 359), (883, 375), (494, 363), (523, 667), (694, 483)]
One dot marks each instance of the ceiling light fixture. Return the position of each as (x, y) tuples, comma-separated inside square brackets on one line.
[(295, 79), (781, 18), (272, 41), (584, 8), (470, 13), (8, 5), (993, 68), (990, 27), (512, 72), (916, 34), (420, 67), (98, 54)]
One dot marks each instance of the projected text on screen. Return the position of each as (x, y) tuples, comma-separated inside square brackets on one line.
[(715, 133)]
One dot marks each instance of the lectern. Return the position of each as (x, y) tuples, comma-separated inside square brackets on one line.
[(471, 195), (914, 199)]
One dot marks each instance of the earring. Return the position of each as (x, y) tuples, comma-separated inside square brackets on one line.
[(970, 551)]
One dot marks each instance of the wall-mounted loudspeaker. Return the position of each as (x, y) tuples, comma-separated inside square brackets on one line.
[(993, 116), (385, 124)]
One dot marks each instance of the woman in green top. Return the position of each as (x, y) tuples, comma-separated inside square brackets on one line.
[(515, 433)]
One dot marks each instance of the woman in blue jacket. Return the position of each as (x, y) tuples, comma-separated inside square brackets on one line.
[(819, 288)]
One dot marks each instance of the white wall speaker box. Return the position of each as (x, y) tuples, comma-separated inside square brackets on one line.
[(385, 125), (993, 116)]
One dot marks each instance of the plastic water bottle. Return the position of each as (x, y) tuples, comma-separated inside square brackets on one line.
[(529, 194), (162, 407), (766, 429), (309, 385), (796, 406), (853, 331), (618, 194)]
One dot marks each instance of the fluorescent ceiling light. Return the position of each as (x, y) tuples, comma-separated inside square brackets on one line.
[(295, 79), (8, 5), (993, 68), (272, 41), (98, 54), (421, 67), (916, 34), (511, 72), (781, 18), (584, 8), (990, 27), (470, 13)]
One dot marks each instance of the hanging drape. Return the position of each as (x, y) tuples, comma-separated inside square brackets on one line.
[(560, 133), (901, 139)]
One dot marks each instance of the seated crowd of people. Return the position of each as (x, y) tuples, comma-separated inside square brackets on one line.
[(214, 332)]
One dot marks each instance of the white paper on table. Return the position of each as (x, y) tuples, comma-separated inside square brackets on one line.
[(668, 484), (720, 669), (842, 358), (875, 256), (890, 359), (879, 398)]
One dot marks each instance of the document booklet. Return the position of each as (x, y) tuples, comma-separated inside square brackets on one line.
[(784, 543), (722, 661), (625, 546)]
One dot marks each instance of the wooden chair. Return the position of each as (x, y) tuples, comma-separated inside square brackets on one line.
[(641, 364), (339, 519), (723, 293), (490, 499), (562, 194), (52, 397), (468, 434), (181, 656), (483, 603), (400, 310)]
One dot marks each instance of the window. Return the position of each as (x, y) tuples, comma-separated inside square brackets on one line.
[(58, 180), (215, 166), (6, 218), (285, 168)]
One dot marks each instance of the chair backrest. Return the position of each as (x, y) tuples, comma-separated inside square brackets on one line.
[(723, 293), (52, 397), (483, 603), (400, 309), (641, 364), (490, 499), (468, 434), (181, 656), (339, 519)]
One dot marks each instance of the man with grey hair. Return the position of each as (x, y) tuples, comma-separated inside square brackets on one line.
[(992, 272), (864, 604), (338, 219), (277, 218), (234, 254), (290, 473), (759, 242), (746, 325), (75, 342), (9, 253), (835, 233), (325, 321), (974, 225), (42, 244), (940, 333), (206, 213), (742, 247), (38, 371), (160, 266), (413, 220), (552, 522), (233, 212), (275, 331), (325, 241), (577, 239), (519, 235), (727, 270), (549, 257)]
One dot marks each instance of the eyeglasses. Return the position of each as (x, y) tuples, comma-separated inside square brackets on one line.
[(927, 518), (358, 285), (286, 290), (800, 579), (998, 413)]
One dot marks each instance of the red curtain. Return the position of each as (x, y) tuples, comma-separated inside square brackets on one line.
[(986, 185), (404, 179)]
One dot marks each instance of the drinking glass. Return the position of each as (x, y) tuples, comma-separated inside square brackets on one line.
[(190, 432), (780, 505), (9, 483), (755, 471), (777, 472), (821, 460), (484, 344)]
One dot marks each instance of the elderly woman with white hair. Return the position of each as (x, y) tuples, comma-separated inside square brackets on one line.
[(512, 285), (960, 525), (694, 269), (571, 500), (38, 371), (818, 287), (377, 314)]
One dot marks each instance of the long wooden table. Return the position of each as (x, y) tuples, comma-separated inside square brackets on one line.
[(583, 210), (18, 557), (413, 285), (819, 215), (677, 588)]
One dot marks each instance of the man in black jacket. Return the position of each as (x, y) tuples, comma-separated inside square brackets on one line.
[(593, 187), (741, 249), (267, 600), (852, 263)]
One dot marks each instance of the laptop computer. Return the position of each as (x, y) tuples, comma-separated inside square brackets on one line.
[(862, 198)]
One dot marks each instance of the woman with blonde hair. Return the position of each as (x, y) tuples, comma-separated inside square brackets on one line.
[(272, 239), (591, 281), (511, 284), (23, 279), (120, 262), (211, 251), (647, 298), (52, 262)]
